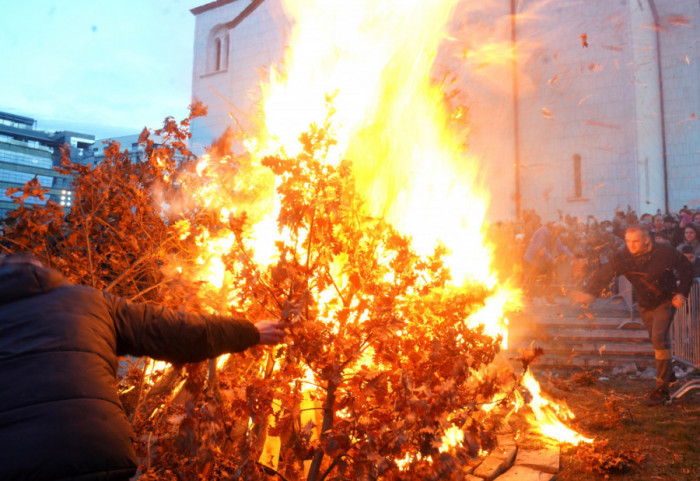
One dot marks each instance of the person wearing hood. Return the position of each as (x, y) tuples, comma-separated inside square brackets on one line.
[(651, 269), (60, 413)]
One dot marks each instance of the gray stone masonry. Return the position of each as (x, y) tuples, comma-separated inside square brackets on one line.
[(505, 440), (546, 460), (602, 336), (523, 473), (507, 454), (491, 467), (508, 462)]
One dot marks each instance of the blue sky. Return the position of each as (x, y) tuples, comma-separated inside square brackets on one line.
[(102, 67)]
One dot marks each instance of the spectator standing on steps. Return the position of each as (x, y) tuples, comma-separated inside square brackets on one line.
[(689, 252), (691, 239), (540, 257), (658, 231), (674, 231), (60, 415), (651, 269)]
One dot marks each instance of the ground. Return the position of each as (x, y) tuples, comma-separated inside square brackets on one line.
[(664, 440)]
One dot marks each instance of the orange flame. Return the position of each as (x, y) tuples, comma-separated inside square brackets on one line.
[(547, 416), (393, 122)]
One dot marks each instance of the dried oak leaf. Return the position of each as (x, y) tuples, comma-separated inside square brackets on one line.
[(602, 459), (528, 356)]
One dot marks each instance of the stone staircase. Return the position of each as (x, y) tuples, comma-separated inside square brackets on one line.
[(603, 336)]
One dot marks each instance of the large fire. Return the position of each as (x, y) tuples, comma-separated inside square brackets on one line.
[(392, 121)]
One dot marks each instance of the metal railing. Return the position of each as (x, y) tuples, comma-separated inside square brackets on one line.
[(685, 332), (685, 336)]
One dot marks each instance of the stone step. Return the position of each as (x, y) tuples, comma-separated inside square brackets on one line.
[(585, 322), (582, 360), (603, 336), (508, 462), (567, 346), (602, 357), (567, 333), (582, 346)]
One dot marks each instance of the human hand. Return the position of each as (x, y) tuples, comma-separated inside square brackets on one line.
[(580, 297), (271, 332), (678, 301)]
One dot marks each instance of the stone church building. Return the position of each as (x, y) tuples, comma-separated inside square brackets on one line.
[(597, 110)]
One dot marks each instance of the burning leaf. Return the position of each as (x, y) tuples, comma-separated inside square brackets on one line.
[(528, 356), (584, 40)]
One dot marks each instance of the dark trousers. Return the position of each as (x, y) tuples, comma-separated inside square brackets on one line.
[(658, 323), (539, 278)]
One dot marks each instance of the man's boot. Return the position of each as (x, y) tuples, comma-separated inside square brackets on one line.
[(658, 396)]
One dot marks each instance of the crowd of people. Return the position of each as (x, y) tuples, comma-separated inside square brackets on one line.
[(544, 256), (658, 255)]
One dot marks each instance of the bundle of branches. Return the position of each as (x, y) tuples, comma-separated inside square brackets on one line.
[(380, 362), (116, 234)]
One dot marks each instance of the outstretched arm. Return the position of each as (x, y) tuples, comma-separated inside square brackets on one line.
[(181, 337), (600, 279)]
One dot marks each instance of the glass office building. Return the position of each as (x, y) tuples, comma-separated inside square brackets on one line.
[(26, 152)]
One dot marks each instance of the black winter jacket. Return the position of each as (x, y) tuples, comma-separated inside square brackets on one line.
[(60, 415), (652, 274)]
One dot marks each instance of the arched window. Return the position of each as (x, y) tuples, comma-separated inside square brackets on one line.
[(217, 50)]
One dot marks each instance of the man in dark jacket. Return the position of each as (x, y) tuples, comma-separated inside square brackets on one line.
[(651, 269), (60, 415)]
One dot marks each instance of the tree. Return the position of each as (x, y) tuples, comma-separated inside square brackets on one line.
[(116, 233)]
